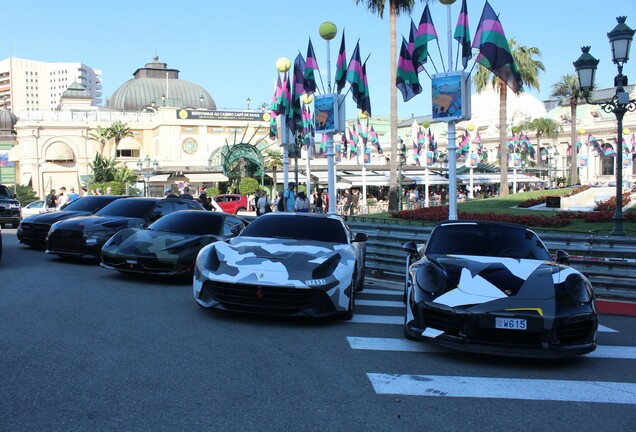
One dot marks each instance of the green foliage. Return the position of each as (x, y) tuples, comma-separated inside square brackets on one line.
[(213, 191), (248, 186), (26, 194), (119, 130)]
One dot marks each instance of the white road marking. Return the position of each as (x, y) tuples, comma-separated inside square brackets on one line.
[(504, 388), (380, 291), (604, 329), (383, 303), (403, 345)]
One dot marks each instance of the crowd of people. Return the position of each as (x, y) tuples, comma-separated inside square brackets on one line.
[(289, 200)]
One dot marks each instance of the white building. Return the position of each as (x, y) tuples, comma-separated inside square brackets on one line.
[(30, 85)]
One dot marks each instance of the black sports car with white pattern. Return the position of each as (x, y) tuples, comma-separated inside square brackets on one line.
[(493, 288)]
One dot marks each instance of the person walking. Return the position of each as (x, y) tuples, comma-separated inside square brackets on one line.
[(63, 198), (301, 204), (318, 203), (355, 199), (263, 205), (186, 193), (348, 199), (72, 196), (203, 197), (51, 201)]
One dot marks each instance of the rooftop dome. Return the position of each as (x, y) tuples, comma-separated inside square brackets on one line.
[(76, 91), (7, 123), (158, 85)]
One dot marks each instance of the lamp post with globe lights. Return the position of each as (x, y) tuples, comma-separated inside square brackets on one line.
[(620, 39), (146, 170)]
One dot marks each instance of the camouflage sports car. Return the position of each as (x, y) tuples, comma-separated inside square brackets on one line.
[(170, 245), (299, 264), (493, 288)]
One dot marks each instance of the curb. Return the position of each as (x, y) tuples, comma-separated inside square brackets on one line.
[(612, 307)]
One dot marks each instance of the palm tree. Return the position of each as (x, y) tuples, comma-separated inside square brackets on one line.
[(569, 93), (104, 170), (542, 126), (529, 70), (396, 7), (102, 136), (273, 159), (119, 131)]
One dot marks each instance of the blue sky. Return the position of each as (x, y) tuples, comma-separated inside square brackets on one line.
[(230, 47)]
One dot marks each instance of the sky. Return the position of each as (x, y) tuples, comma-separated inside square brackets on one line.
[(230, 47)]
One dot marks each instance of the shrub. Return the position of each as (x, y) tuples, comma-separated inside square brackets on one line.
[(248, 186)]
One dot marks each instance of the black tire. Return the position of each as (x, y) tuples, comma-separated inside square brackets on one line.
[(348, 314), (407, 335), (241, 209), (360, 285)]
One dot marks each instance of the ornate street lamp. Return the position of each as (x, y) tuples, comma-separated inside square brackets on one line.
[(620, 39), (163, 99), (248, 101), (147, 171), (202, 100)]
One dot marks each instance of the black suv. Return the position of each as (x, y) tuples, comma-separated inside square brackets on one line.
[(9, 207)]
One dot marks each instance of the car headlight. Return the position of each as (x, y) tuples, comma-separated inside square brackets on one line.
[(14, 206), (115, 240), (429, 278), (574, 290), (211, 260), (100, 233), (327, 268), (54, 226)]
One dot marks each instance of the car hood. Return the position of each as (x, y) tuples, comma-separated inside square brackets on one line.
[(94, 222), (260, 256), (136, 241), (479, 279), (54, 216)]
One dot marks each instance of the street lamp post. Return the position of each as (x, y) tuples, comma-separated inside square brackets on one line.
[(202, 100), (401, 161), (147, 171), (620, 39), (248, 101), (163, 99)]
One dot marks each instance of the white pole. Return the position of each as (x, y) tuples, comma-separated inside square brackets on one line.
[(514, 179), (364, 186), (283, 133), (308, 172), (331, 172), (470, 193), (451, 147), (426, 202)]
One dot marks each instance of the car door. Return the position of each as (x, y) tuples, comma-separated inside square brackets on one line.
[(162, 208)]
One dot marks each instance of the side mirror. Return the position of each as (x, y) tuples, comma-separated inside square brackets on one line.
[(360, 237), (236, 230), (410, 248), (155, 215), (562, 257), (15, 196)]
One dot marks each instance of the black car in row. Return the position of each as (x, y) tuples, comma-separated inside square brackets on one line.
[(84, 236), (9, 207)]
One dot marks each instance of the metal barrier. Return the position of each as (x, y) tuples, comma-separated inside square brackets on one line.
[(608, 262)]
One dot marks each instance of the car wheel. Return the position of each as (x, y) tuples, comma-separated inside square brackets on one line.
[(242, 209), (348, 314), (360, 285)]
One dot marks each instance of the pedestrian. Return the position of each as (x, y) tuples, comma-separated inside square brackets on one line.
[(51, 201), (203, 197), (348, 198), (109, 190), (186, 193), (168, 194), (301, 204), (263, 205), (72, 196), (318, 203), (289, 198), (355, 199), (85, 191), (253, 203), (98, 191), (62, 199)]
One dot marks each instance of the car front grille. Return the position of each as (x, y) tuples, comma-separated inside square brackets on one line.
[(65, 241), (145, 264), (447, 321), (35, 230), (575, 332), (262, 298)]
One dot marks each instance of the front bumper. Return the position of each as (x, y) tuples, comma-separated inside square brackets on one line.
[(73, 244), (146, 265), (458, 329)]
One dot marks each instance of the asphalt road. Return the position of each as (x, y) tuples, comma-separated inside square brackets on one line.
[(85, 348)]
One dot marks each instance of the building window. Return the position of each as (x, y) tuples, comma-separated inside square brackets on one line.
[(607, 165), (189, 129), (128, 153)]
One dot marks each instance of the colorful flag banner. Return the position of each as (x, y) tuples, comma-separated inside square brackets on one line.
[(462, 34)]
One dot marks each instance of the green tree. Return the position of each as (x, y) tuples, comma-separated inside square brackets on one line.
[(396, 7), (102, 136), (529, 69), (248, 186), (103, 169), (119, 131), (569, 93), (273, 159), (26, 194)]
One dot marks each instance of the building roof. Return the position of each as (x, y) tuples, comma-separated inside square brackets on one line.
[(7, 123), (156, 84), (76, 91)]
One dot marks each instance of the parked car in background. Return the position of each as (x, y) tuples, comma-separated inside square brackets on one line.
[(9, 207), (232, 203), (36, 207), (170, 245), (84, 236), (293, 264), (493, 288), (33, 230)]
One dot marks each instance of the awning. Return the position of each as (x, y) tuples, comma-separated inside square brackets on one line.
[(26, 179), (128, 144), (206, 177), (433, 179), (495, 178), (59, 152), (159, 178)]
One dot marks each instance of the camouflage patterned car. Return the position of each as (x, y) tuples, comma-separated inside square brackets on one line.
[(170, 245), (299, 264)]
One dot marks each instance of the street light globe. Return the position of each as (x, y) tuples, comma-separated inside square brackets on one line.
[(426, 123), (328, 30), (581, 131), (267, 116), (307, 98), (447, 2), (283, 64), (626, 131), (471, 127), (362, 115)]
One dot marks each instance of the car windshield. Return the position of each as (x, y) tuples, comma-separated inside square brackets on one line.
[(5, 192), (128, 207), (486, 240), (297, 227), (190, 222), (89, 203)]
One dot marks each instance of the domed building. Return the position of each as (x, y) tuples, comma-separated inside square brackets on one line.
[(7, 140), (156, 84)]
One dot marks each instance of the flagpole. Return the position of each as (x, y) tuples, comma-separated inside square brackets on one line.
[(452, 145)]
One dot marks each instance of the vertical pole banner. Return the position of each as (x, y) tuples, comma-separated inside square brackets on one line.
[(471, 162), (329, 118)]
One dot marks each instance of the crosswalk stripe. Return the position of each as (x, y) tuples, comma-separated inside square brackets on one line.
[(384, 292), (395, 344), (392, 319), (504, 388), (363, 302)]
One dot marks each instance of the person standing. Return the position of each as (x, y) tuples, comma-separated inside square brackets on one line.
[(348, 199), (355, 199), (203, 197), (301, 205), (263, 205), (51, 201), (85, 191), (72, 196), (186, 193), (109, 190), (318, 204), (289, 198), (253, 203), (63, 198)]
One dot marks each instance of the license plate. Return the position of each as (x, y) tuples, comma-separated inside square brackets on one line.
[(131, 261), (511, 323)]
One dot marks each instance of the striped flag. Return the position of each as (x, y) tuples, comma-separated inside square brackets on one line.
[(462, 34), (425, 33), (375, 140), (406, 79), (633, 143), (592, 142), (341, 66), (494, 51), (311, 65), (608, 150), (356, 77)]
